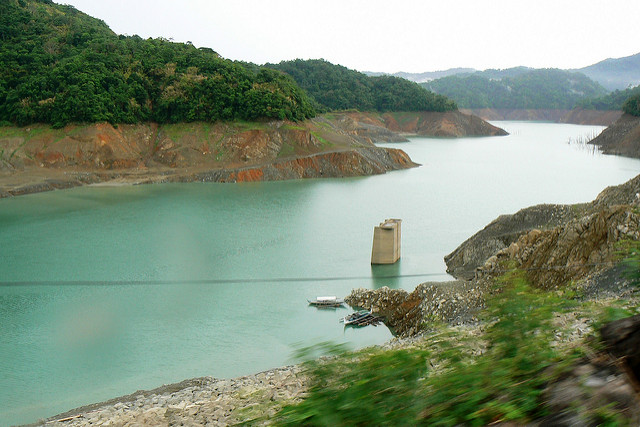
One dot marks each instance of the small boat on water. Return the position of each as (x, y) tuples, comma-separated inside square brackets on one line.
[(330, 301), (361, 318)]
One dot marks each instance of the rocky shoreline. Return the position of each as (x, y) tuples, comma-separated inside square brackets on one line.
[(199, 401)]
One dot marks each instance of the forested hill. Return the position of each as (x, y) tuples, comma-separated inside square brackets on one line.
[(521, 89), (59, 65), (335, 87)]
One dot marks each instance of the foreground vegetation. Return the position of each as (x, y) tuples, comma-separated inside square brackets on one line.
[(456, 377)]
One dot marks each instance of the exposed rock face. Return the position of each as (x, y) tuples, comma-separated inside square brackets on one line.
[(502, 232), (507, 229), (622, 137), (554, 257), (623, 194)]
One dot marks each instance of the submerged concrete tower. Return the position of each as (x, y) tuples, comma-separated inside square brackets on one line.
[(386, 242)]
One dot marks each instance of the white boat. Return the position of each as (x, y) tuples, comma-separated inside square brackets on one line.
[(330, 301)]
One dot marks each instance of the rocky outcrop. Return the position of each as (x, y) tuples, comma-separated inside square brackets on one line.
[(502, 232), (621, 138), (555, 257), (405, 312), (507, 229), (356, 162), (624, 194)]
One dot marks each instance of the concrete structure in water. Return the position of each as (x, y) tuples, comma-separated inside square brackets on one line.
[(386, 242)]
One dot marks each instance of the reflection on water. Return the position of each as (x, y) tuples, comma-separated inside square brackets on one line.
[(133, 287), (386, 275)]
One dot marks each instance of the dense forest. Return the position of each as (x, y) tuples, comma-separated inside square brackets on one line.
[(59, 65), (335, 87), (518, 88)]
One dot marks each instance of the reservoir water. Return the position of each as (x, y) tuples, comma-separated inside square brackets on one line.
[(107, 290)]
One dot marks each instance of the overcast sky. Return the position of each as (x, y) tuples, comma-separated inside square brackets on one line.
[(388, 35)]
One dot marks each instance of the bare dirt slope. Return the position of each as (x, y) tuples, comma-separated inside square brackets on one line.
[(621, 138)]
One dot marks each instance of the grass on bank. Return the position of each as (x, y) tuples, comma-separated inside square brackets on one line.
[(462, 379)]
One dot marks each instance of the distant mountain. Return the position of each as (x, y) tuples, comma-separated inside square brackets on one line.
[(426, 76), (518, 88), (613, 73), (618, 73)]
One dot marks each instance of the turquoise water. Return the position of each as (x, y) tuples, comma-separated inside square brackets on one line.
[(106, 290)]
